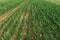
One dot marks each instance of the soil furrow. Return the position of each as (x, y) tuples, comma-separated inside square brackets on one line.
[(25, 26), (31, 27)]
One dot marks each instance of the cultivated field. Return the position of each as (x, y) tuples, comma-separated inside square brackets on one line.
[(54, 1), (29, 20), (4, 0)]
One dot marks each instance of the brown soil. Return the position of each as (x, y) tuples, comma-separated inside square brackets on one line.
[(31, 27), (40, 33), (25, 25)]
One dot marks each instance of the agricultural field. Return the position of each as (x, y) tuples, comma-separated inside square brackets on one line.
[(6, 5), (29, 20), (54, 1)]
